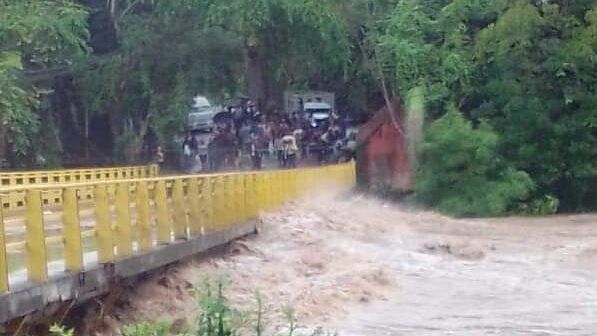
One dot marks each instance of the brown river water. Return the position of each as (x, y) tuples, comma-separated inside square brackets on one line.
[(357, 266)]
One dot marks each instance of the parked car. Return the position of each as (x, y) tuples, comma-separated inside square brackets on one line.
[(201, 115)]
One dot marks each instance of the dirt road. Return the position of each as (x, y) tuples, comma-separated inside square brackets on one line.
[(361, 267)]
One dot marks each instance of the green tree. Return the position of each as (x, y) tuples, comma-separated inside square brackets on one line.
[(285, 42), (462, 173), (164, 58), (538, 89), (35, 37), (525, 67)]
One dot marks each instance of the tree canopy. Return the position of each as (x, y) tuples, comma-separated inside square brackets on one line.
[(34, 36), (100, 79), (527, 68)]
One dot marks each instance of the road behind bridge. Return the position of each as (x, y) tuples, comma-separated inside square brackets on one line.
[(362, 267)]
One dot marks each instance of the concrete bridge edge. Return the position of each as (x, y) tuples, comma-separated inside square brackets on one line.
[(80, 287)]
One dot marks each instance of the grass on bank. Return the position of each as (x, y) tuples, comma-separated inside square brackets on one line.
[(216, 316)]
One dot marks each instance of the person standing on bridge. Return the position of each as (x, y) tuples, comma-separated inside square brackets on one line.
[(290, 150), (203, 150), (189, 149), (256, 151), (159, 157)]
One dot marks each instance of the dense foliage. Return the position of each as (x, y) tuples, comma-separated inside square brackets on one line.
[(528, 68), (34, 36), (463, 173), (171, 50), (106, 78)]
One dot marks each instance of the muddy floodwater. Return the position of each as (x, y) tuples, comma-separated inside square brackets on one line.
[(361, 267)]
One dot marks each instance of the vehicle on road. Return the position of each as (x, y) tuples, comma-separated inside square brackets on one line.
[(317, 107), (318, 113), (201, 116)]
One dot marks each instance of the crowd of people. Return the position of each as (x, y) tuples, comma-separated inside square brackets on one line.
[(245, 138)]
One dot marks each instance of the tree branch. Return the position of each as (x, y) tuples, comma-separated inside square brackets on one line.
[(133, 4), (386, 95)]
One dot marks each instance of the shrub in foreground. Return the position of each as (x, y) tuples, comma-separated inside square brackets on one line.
[(216, 317)]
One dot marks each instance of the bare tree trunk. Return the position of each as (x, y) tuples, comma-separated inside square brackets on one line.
[(114, 109), (386, 95), (3, 146), (255, 72), (111, 4), (140, 137)]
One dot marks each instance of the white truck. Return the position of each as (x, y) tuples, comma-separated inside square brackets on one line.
[(316, 106)]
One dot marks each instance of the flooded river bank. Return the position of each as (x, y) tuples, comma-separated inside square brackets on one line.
[(361, 267)]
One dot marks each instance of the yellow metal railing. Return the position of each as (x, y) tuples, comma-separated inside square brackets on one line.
[(16, 200), (138, 215)]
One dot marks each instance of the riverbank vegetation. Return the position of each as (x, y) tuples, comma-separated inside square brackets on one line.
[(525, 69), (216, 316), (99, 81)]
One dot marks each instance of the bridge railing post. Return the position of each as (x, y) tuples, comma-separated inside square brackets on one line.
[(154, 170), (294, 182), (103, 225), (251, 194), (144, 231), (301, 183), (241, 209), (237, 203), (163, 217), (4, 286), (213, 183), (228, 201), (248, 196), (275, 183), (179, 208), (73, 247), (266, 192), (194, 206), (218, 208), (268, 188), (254, 195), (124, 239), (278, 189), (263, 192), (205, 204), (284, 185), (270, 196), (224, 202), (231, 201), (35, 240)]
